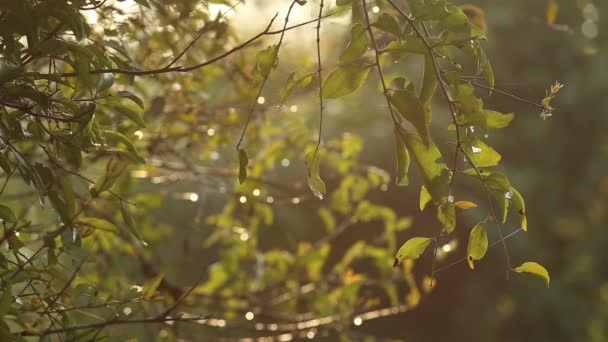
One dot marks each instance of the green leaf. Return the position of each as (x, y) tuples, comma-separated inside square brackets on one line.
[(345, 80), (115, 136), (478, 244), (7, 215), (105, 82), (6, 299), (446, 214), (126, 216), (315, 182), (410, 107), (5, 164), (296, 79), (60, 207), (411, 249), (267, 60), (129, 95), (534, 268), (517, 201), (8, 71), (128, 112), (480, 154), (243, 161), (403, 160), (498, 120), (499, 187), (429, 82), (434, 172), (150, 287), (358, 44), (425, 197), (388, 23)]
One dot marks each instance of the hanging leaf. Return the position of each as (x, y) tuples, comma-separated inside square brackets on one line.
[(266, 60), (425, 197), (7, 215), (388, 23), (411, 249), (498, 120), (518, 204), (429, 82), (315, 182), (403, 160), (105, 82), (480, 153), (128, 112), (129, 95), (126, 216), (243, 161), (345, 80), (358, 44), (534, 268), (410, 107), (446, 214), (434, 172), (465, 205), (478, 244), (296, 79), (149, 288)]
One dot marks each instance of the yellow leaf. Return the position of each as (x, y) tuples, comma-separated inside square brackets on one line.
[(552, 11), (465, 204), (534, 268)]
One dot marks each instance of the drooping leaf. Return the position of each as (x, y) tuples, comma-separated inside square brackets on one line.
[(128, 112), (296, 79), (149, 288), (388, 23), (129, 95), (315, 183), (345, 80), (7, 215), (411, 249), (480, 153), (446, 214), (243, 161), (358, 44), (425, 197), (410, 107), (403, 160), (534, 268), (5, 164), (429, 82), (478, 244), (498, 120), (105, 82), (266, 60), (434, 172), (126, 216), (518, 204)]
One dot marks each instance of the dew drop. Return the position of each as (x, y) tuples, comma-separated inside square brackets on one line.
[(475, 149), (509, 194)]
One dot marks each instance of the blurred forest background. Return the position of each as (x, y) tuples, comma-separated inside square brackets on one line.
[(267, 258)]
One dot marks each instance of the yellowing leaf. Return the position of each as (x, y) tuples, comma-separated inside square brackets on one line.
[(519, 206), (425, 197), (465, 204), (552, 12), (534, 268), (478, 244), (411, 249)]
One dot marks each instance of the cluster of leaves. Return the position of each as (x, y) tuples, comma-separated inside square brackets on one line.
[(77, 154)]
